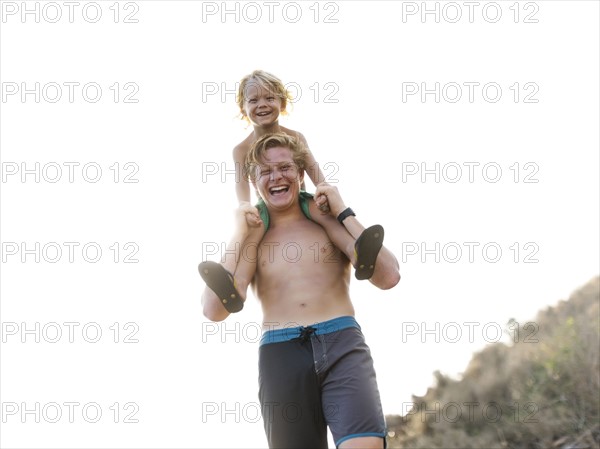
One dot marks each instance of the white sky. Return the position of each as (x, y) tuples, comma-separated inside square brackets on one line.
[(184, 372)]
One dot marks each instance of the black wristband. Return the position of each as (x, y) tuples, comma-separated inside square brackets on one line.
[(345, 214)]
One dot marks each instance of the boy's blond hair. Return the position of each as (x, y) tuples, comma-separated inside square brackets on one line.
[(255, 155), (268, 81)]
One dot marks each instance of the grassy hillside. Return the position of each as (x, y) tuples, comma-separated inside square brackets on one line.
[(541, 391)]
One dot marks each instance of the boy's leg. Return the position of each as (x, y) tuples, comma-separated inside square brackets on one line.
[(231, 287), (337, 232), (362, 252), (246, 266)]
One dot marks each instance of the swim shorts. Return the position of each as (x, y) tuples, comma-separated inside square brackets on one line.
[(318, 376)]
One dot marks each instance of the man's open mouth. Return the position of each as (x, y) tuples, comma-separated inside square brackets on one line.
[(278, 190)]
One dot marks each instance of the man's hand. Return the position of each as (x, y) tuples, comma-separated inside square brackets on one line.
[(329, 196)]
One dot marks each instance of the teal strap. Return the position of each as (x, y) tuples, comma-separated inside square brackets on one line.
[(264, 213), (305, 197)]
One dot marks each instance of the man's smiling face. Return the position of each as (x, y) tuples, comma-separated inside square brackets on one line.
[(278, 178)]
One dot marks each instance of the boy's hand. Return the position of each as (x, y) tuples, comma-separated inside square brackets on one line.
[(243, 218), (322, 203), (251, 214), (329, 195)]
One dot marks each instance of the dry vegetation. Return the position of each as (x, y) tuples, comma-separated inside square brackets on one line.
[(542, 391)]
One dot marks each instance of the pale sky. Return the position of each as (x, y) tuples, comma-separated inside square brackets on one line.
[(489, 195)]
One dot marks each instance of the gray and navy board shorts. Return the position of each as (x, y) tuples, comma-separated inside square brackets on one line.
[(318, 376)]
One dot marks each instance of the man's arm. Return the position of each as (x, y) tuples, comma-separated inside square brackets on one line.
[(386, 274)]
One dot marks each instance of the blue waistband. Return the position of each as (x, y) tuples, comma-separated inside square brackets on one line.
[(326, 327)]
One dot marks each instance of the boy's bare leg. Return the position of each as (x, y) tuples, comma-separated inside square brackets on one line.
[(386, 274), (337, 233), (249, 228), (246, 266)]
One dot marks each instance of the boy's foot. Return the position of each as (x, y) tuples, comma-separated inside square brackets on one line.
[(366, 248), (221, 281)]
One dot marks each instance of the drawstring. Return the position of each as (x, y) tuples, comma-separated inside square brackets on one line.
[(306, 332)]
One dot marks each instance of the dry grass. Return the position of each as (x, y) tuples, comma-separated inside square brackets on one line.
[(529, 395)]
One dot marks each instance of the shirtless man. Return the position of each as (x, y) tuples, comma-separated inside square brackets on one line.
[(315, 369)]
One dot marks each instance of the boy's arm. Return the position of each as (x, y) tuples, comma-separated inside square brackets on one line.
[(242, 186), (312, 167), (315, 174)]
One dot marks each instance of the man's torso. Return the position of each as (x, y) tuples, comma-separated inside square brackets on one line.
[(301, 277)]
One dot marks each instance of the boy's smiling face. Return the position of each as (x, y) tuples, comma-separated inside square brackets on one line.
[(278, 178), (261, 105)]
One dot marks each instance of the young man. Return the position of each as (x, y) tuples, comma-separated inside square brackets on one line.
[(314, 366)]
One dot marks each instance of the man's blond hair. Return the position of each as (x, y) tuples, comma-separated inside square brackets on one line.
[(255, 156)]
